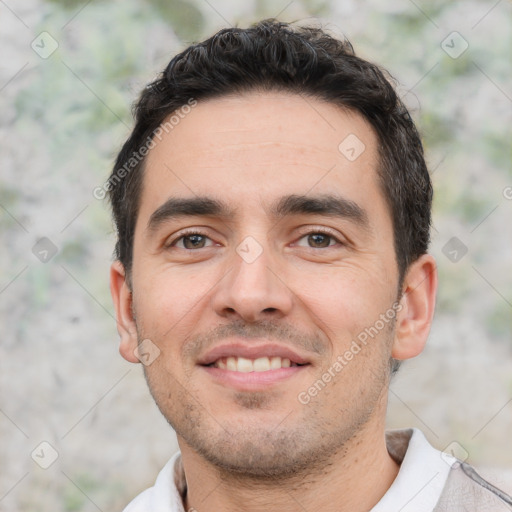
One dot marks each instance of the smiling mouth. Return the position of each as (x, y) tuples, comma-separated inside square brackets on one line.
[(261, 364)]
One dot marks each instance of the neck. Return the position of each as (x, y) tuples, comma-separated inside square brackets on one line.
[(353, 479)]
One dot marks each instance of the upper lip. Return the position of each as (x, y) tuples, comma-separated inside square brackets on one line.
[(253, 351)]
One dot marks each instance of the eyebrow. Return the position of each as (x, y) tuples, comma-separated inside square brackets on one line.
[(328, 205)]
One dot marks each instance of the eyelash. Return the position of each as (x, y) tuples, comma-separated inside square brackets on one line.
[(318, 231)]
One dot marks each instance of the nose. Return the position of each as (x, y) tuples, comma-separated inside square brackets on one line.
[(255, 288)]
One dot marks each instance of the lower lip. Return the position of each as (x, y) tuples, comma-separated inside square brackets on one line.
[(251, 381)]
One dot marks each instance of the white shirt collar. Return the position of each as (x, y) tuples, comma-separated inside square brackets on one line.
[(422, 475)]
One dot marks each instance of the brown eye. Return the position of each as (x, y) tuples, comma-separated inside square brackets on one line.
[(318, 240), (192, 241)]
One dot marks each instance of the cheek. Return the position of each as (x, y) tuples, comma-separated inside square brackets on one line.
[(346, 298), (174, 290), (166, 303)]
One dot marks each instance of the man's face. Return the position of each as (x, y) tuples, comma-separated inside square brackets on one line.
[(274, 281)]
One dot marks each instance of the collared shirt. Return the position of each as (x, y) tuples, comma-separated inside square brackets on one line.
[(428, 481)]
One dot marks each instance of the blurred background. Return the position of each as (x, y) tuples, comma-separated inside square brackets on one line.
[(78, 429)]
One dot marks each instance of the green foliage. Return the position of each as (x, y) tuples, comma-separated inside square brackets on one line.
[(459, 199), (497, 150), (75, 252), (184, 17), (454, 287), (499, 321), (67, 4), (317, 8), (76, 497), (450, 68), (9, 197), (436, 130)]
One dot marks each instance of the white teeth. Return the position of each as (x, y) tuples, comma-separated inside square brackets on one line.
[(244, 365), (262, 364), (275, 363)]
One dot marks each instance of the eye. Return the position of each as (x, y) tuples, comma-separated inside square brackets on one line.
[(191, 240), (319, 239)]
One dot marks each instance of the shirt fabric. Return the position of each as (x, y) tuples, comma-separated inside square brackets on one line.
[(428, 481)]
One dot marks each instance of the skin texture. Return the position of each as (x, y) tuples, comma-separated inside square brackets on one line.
[(263, 449)]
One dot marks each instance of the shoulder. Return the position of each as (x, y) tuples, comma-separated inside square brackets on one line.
[(465, 490)]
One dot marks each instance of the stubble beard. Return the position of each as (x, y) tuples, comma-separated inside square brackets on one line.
[(303, 443)]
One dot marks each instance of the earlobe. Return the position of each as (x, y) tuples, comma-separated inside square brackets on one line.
[(418, 302), (122, 298)]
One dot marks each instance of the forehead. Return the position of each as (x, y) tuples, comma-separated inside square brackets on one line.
[(251, 149)]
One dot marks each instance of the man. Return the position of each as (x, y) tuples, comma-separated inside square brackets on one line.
[(273, 212)]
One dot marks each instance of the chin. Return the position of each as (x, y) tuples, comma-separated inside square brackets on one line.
[(253, 459)]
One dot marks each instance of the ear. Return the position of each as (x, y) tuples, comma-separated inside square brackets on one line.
[(122, 298), (418, 303)]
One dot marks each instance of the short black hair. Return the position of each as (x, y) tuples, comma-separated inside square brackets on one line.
[(276, 56)]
